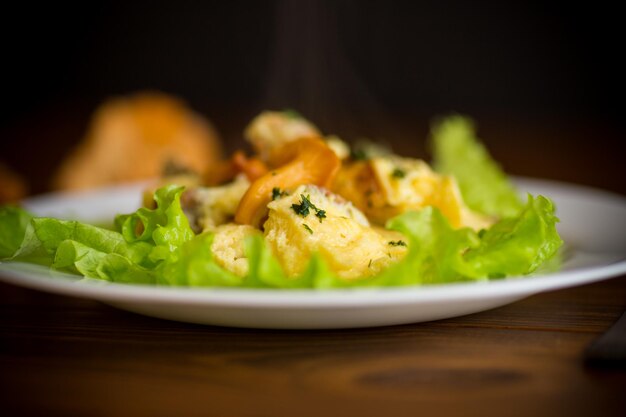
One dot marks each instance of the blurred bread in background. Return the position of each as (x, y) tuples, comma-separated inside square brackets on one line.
[(133, 138), (12, 186)]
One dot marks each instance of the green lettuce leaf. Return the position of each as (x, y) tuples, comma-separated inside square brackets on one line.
[(51, 233), (144, 241), (483, 184), (72, 256), (518, 245), (165, 228), (435, 249), (13, 224), (195, 267), (264, 270), (438, 253)]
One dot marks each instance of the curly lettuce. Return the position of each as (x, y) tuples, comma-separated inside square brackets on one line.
[(135, 253), (484, 186), (13, 221)]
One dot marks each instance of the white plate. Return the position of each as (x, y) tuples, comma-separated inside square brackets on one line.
[(593, 225)]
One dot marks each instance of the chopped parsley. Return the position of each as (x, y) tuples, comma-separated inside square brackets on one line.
[(304, 208), (308, 229), (369, 265), (358, 155), (398, 173), (277, 193), (397, 243)]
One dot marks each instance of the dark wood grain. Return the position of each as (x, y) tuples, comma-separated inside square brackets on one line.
[(66, 356)]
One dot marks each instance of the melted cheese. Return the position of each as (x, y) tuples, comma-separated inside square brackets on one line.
[(410, 184), (228, 248), (344, 237)]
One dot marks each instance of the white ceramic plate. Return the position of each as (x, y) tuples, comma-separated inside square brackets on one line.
[(593, 225)]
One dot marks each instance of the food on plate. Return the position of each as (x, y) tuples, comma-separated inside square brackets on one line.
[(384, 187), (209, 207), (273, 129), (132, 138), (228, 247), (308, 211), (310, 219), (304, 161)]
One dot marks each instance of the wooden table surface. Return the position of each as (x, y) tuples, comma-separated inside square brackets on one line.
[(66, 356), (69, 356)]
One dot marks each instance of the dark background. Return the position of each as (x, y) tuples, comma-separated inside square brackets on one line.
[(541, 80)]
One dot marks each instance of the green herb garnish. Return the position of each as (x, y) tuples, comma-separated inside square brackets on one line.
[(304, 208), (358, 155), (277, 193), (397, 243), (398, 173), (308, 229)]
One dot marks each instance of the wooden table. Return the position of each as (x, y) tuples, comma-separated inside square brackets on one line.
[(66, 356)]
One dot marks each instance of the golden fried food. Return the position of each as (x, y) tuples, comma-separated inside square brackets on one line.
[(384, 187), (12, 186), (133, 138), (330, 226), (228, 247), (272, 130), (304, 161)]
